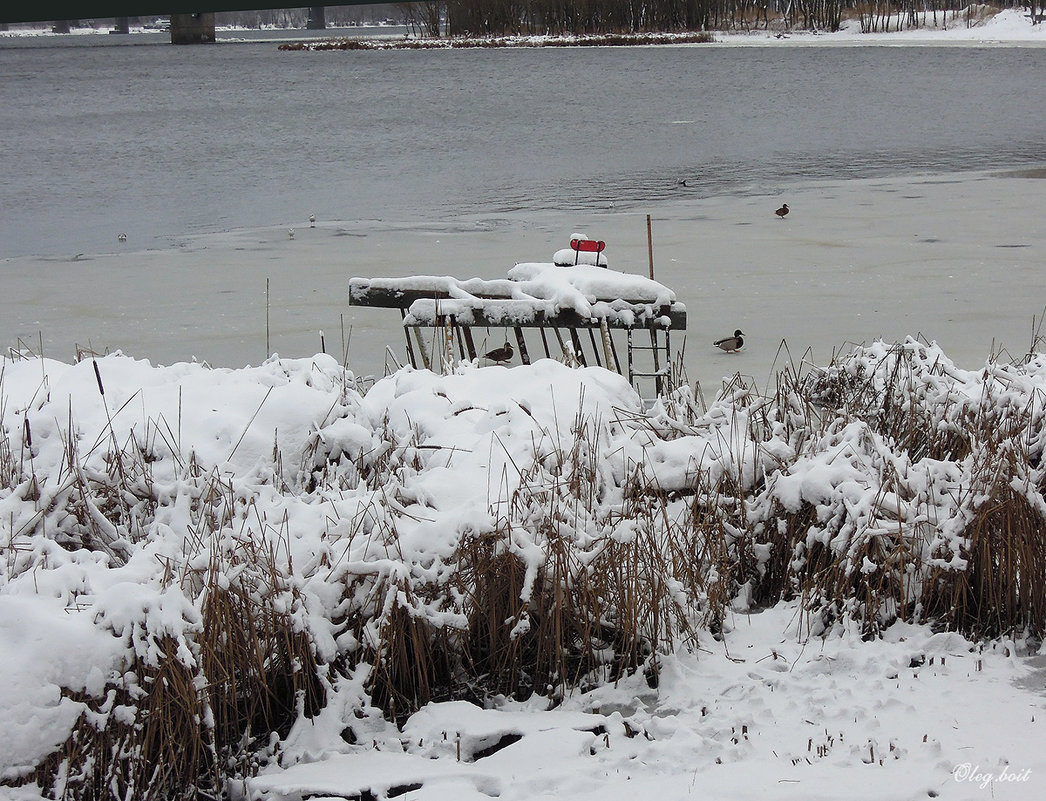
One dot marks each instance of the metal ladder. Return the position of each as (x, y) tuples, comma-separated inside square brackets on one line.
[(661, 357)]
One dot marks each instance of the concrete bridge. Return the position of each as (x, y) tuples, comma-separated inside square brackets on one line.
[(191, 23)]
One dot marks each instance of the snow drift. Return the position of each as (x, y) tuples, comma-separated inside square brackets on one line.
[(228, 569)]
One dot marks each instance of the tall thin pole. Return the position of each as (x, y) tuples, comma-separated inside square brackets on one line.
[(650, 247), (268, 352)]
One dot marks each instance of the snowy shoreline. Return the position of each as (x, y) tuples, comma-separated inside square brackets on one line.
[(1006, 27)]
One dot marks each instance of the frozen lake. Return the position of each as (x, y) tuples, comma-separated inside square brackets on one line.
[(900, 163), (162, 142)]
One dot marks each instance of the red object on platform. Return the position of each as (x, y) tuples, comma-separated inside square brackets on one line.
[(587, 245)]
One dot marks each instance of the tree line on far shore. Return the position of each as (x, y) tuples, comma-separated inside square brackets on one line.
[(557, 17)]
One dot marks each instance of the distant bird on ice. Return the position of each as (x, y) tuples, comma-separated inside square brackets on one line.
[(731, 344), (781, 212), (500, 354), (290, 233), (122, 237), (312, 221)]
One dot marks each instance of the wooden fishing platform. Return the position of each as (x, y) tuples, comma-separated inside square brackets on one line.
[(575, 308)]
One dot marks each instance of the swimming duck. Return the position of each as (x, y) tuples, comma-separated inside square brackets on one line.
[(122, 237), (731, 344), (781, 212), (500, 354)]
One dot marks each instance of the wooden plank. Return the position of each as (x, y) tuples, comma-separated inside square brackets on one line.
[(362, 293), (566, 318)]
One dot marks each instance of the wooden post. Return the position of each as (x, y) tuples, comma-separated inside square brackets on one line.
[(650, 247)]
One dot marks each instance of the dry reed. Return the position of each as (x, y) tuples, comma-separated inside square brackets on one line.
[(928, 507)]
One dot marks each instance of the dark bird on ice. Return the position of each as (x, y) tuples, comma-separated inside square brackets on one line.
[(781, 212), (730, 344), (500, 355)]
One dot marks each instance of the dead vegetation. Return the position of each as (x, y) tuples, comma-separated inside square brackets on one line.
[(887, 486)]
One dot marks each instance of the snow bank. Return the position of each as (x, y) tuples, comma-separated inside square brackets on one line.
[(489, 533)]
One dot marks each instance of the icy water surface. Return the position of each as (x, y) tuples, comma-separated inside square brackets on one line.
[(163, 142)]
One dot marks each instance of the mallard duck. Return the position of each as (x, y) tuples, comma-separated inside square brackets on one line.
[(499, 355), (730, 344), (781, 212)]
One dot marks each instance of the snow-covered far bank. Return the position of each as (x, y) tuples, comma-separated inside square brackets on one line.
[(977, 25), (277, 586)]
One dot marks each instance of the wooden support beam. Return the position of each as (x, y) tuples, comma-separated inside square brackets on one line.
[(631, 363), (608, 347), (595, 349), (544, 343), (562, 346), (461, 339), (421, 348), (523, 355), (579, 354), (657, 361), (410, 348), (468, 341)]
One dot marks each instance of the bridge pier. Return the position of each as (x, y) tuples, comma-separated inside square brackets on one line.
[(60, 26), (192, 28), (317, 19), (121, 25)]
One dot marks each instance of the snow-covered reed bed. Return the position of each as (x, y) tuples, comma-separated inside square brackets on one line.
[(200, 565)]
